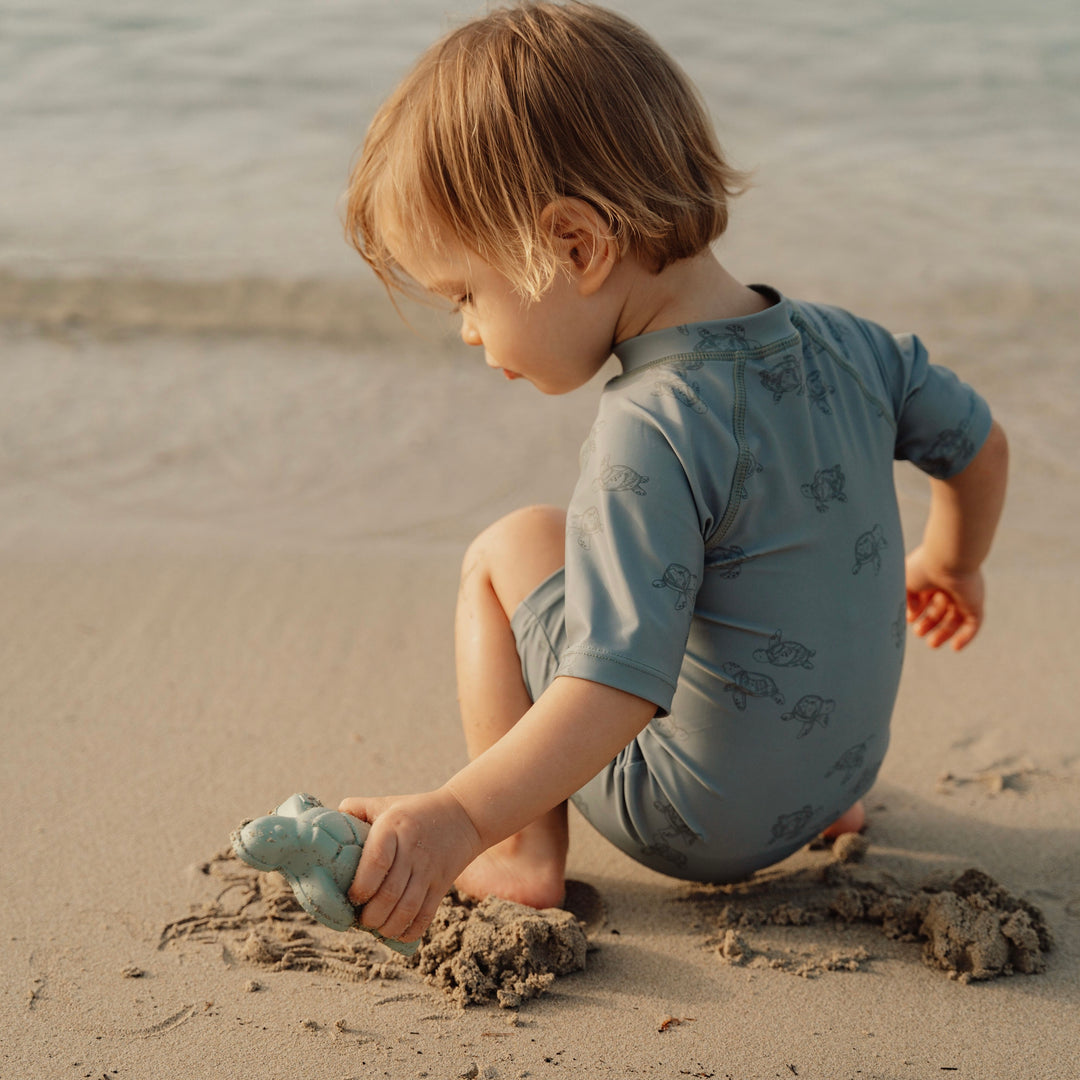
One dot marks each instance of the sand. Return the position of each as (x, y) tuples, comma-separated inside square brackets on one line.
[(228, 565)]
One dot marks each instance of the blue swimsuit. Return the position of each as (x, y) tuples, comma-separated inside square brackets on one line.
[(734, 555)]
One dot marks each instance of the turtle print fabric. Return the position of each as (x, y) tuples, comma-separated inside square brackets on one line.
[(734, 555)]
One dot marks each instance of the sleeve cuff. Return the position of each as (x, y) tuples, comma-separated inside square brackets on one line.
[(619, 673)]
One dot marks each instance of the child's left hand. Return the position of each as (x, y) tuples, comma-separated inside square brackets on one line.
[(417, 846)]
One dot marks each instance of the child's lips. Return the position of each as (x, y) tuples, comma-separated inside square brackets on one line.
[(510, 374)]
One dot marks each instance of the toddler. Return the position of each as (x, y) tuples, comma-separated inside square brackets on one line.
[(704, 652)]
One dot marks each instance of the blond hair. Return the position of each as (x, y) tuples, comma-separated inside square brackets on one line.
[(526, 106)]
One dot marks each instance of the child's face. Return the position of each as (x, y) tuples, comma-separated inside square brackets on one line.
[(557, 342)]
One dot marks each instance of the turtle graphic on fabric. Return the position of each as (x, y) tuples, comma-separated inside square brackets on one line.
[(781, 653), (750, 467), (676, 826), (819, 391), (809, 710), (689, 393), (730, 560), (783, 378), (733, 337), (677, 829), (837, 329), (950, 446), (792, 826), (849, 762), (868, 549), (620, 478), (680, 579), (660, 849), (746, 684), (828, 484), (586, 525), (589, 445)]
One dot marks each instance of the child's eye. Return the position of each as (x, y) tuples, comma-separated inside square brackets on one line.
[(464, 300)]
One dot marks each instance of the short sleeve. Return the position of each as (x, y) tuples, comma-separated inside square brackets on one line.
[(634, 560), (942, 422)]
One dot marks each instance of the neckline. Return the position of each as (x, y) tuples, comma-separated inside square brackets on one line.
[(715, 339)]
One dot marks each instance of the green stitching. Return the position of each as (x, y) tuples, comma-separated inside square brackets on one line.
[(742, 463), (844, 365)]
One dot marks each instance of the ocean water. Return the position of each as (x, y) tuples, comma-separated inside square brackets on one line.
[(187, 342), (213, 140)]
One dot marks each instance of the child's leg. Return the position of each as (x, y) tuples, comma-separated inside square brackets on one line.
[(502, 566)]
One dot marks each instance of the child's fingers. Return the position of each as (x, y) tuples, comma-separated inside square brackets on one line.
[(381, 904), (916, 603), (932, 614), (963, 636), (376, 861), (951, 621), (359, 807), (404, 912), (423, 917)]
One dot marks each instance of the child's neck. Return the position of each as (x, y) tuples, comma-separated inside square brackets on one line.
[(691, 290)]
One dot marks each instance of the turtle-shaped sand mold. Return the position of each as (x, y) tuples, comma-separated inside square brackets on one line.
[(316, 850), (620, 478)]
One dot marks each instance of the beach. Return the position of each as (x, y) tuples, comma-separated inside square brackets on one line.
[(235, 491)]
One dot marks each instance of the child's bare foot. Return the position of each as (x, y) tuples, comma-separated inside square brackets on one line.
[(528, 867), (852, 820)]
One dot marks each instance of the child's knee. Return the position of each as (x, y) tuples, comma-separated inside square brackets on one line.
[(525, 529), (517, 552)]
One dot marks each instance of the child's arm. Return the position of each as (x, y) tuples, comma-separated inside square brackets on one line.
[(419, 844), (944, 582)]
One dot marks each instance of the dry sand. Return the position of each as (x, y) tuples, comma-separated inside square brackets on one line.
[(227, 570)]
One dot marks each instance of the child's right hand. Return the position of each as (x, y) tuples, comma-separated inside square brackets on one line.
[(941, 605), (417, 846)]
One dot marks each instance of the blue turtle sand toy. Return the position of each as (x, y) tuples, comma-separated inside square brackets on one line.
[(317, 850)]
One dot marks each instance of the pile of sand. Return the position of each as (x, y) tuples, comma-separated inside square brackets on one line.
[(970, 927), (498, 950), (474, 951)]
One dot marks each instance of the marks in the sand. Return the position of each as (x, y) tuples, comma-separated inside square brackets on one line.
[(970, 927), (33, 995), (255, 919), (163, 1027), (1011, 775), (493, 950)]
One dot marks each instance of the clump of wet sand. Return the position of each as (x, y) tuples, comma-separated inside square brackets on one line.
[(970, 926), (491, 950), (496, 950)]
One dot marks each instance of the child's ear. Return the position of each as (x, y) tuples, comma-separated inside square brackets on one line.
[(583, 240)]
